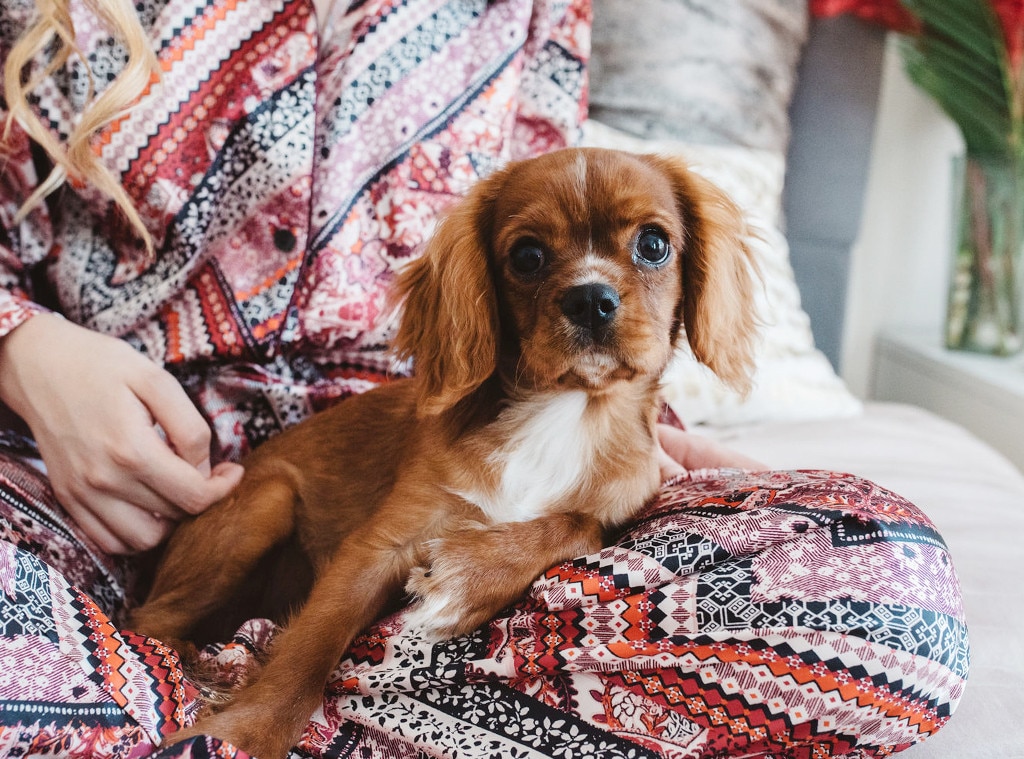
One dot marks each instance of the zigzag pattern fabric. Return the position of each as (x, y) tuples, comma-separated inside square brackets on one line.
[(286, 169)]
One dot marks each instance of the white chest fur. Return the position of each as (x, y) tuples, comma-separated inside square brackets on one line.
[(548, 448)]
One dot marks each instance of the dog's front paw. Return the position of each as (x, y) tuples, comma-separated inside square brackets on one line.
[(438, 612), (469, 577), (443, 605)]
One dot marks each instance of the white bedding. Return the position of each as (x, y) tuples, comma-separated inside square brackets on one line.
[(976, 499)]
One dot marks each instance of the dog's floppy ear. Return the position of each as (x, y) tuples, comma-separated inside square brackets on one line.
[(719, 313), (450, 323)]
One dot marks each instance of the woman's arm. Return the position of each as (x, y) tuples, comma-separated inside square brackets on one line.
[(126, 451)]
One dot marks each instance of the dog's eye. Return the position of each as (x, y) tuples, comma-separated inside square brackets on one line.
[(652, 247), (527, 258)]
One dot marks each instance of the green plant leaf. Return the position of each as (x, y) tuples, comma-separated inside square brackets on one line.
[(959, 59)]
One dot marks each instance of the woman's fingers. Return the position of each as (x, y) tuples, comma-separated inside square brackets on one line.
[(685, 450), (117, 527)]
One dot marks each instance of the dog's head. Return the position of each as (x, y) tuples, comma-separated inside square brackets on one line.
[(580, 268)]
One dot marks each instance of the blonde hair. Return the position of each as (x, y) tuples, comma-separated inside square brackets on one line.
[(53, 29)]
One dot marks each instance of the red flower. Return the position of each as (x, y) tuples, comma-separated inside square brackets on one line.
[(892, 15), (1011, 19), (888, 13)]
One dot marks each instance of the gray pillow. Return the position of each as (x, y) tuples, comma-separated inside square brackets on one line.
[(703, 71)]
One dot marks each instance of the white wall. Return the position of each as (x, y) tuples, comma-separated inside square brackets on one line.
[(901, 261)]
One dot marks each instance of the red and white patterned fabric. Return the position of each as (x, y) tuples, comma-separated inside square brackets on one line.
[(284, 180), (773, 614), (285, 174)]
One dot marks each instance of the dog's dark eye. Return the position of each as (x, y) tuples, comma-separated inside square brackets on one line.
[(527, 258), (652, 247)]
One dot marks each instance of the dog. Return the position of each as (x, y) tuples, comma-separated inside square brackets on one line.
[(539, 319)]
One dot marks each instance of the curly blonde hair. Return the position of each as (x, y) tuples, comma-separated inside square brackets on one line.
[(52, 29)]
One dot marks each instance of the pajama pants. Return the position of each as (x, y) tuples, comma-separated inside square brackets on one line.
[(754, 614)]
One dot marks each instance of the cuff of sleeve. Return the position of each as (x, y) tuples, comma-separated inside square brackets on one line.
[(16, 310)]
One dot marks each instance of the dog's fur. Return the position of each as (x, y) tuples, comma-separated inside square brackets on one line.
[(529, 429)]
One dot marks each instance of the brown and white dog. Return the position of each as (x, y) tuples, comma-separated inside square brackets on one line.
[(540, 318)]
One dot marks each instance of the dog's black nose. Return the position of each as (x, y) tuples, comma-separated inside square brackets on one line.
[(591, 306)]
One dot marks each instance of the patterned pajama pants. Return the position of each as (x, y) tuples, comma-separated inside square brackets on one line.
[(775, 614)]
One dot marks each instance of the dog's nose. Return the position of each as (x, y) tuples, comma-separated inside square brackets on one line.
[(591, 306)]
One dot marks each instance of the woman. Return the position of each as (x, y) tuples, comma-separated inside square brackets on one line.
[(202, 208)]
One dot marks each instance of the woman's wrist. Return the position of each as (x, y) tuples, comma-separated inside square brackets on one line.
[(13, 347)]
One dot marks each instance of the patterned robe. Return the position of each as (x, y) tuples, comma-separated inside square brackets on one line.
[(286, 170)]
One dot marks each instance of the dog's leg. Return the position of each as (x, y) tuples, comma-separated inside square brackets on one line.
[(268, 715), (477, 570), (201, 567)]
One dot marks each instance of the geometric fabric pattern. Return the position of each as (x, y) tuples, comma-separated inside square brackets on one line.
[(609, 655), (641, 642)]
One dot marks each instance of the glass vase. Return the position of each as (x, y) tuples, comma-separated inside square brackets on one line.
[(986, 295)]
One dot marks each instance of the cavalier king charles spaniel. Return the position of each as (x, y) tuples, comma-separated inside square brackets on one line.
[(540, 319)]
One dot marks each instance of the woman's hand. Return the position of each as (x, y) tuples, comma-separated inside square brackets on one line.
[(127, 452), (681, 451)]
